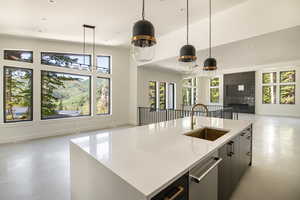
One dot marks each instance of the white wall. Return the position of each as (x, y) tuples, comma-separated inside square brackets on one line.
[(147, 74), (277, 109), (41, 128)]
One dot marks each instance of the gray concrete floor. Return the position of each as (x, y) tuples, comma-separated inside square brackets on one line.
[(39, 169)]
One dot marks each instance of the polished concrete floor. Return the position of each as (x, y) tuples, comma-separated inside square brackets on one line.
[(39, 169)]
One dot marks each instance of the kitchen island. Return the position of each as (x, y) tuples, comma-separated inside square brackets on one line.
[(140, 163)]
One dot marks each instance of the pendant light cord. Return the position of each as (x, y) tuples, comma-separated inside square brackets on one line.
[(94, 55), (143, 11), (94, 45), (210, 28), (187, 21), (84, 44)]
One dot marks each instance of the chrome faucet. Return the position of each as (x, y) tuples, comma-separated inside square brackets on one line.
[(193, 112)]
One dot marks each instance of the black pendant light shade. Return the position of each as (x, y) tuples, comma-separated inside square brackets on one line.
[(210, 64), (187, 53), (143, 39), (143, 34)]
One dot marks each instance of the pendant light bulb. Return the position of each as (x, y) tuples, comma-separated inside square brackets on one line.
[(187, 56), (143, 39)]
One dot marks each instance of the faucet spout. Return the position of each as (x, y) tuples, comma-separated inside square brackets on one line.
[(193, 113)]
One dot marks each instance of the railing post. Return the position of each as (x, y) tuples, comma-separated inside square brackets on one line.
[(139, 116)]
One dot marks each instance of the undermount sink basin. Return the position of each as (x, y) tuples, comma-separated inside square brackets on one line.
[(207, 133)]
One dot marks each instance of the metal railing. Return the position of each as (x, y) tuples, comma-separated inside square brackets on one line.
[(148, 115)]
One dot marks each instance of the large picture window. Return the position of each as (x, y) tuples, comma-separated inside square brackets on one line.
[(283, 90), (102, 96), (73, 61), (65, 95), (17, 94), (214, 90), (17, 55), (103, 64)]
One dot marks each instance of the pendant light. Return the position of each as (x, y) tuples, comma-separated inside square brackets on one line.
[(187, 55), (210, 64), (143, 39)]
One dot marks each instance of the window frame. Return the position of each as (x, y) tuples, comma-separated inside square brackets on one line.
[(41, 97), (165, 95), (25, 51), (69, 54), (173, 96), (109, 99), (192, 87), (278, 84), (271, 84), (156, 96), (215, 87), (4, 95), (110, 65)]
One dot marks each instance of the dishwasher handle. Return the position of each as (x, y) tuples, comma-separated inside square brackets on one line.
[(197, 179)]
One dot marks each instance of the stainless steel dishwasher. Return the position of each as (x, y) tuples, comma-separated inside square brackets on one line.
[(203, 181)]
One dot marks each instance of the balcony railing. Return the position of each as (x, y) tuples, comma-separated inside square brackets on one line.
[(148, 115)]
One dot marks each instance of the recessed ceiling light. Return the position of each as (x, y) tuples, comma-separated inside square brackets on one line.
[(44, 19)]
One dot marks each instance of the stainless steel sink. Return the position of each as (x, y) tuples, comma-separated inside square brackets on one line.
[(207, 133)]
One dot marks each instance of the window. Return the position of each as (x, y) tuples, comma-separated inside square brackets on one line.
[(65, 95), (16, 55), (269, 94), (189, 91), (103, 64), (187, 96), (17, 94), (171, 95), (285, 86), (103, 96), (73, 61), (162, 95), (214, 90), (287, 94), (152, 94)]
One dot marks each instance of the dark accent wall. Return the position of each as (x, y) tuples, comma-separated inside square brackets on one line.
[(244, 100)]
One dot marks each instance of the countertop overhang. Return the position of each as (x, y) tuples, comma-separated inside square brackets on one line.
[(152, 156)]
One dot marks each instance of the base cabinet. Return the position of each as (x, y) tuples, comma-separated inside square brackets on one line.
[(237, 157), (178, 190)]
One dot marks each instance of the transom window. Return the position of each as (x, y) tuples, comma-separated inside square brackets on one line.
[(103, 64), (18, 55), (73, 61)]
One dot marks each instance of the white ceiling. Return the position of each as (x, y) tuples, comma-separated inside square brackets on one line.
[(63, 19), (276, 47)]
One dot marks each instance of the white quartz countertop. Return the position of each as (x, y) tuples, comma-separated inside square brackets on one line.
[(150, 157)]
